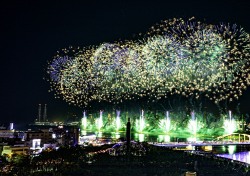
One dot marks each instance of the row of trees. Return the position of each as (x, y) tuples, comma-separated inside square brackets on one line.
[(49, 161)]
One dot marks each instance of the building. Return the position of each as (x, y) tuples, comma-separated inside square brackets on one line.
[(46, 136), (10, 150)]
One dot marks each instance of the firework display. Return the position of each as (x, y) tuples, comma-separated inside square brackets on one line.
[(188, 58)]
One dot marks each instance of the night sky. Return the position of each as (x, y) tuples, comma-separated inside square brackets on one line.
[(32, 32)]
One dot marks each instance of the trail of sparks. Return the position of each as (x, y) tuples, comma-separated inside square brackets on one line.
[(188, 58)]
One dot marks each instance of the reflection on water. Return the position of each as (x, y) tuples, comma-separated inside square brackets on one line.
[(145, 138), (231, 149), (163, 138), (235, 152), (139, 137), (83, 133), (192, 139), (115, 135), (241, 156), (99, 134)]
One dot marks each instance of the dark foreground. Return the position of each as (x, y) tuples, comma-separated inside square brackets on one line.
[(96, 161)]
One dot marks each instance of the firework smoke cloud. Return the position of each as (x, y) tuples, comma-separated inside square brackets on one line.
[(189, 58)]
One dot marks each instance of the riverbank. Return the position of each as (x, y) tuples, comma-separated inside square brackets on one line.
[(97, 161)]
